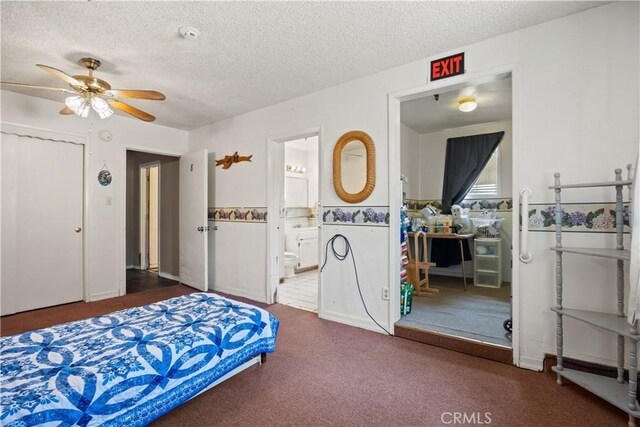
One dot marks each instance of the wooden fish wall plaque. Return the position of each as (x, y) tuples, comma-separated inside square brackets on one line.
[(227, 161)]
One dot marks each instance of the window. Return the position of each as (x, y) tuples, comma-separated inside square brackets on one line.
[(487, 183)]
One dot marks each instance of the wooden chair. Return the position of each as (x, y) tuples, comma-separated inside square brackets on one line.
[(419, 265)]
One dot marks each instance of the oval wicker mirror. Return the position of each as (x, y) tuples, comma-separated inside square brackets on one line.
[(354, 166)]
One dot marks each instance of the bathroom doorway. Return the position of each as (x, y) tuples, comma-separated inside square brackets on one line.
[(462, 287), (294, 243)]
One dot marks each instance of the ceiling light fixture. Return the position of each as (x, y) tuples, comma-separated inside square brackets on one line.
[(296, 169), (101, 107), (81, 105), (467, 105)]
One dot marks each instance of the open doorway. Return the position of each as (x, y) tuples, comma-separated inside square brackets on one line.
[(458, 259), (295, 232), (152, 221), (149, 216)]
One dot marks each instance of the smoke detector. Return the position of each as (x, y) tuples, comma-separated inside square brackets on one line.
[(189, 33)]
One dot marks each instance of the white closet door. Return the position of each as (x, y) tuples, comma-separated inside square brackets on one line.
[(42, 223), (193, 220)]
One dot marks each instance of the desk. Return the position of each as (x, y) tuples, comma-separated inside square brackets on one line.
[(459, 237)]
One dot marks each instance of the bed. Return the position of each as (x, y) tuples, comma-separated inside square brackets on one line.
[(131, 366)]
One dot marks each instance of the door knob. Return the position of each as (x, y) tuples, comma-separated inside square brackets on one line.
[(78, 229)]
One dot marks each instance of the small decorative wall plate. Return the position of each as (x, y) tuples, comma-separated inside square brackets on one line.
[(104, 176)]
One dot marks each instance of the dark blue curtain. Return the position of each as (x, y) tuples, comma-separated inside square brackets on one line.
[(466, 158)]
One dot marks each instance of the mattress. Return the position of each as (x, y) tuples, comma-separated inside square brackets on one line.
[(131, 366)]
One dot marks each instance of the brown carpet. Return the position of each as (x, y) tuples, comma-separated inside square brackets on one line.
[(326, 373)]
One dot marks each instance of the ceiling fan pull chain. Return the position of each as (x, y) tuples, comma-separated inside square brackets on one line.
[(91, 112)]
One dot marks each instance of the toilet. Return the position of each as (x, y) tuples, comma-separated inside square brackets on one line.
[(290, 262)]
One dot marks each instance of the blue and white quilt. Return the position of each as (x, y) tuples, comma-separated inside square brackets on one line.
[(131, 366)]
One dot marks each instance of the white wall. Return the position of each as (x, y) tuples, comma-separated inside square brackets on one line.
[(105, 232), (410, 161), (572, 107)]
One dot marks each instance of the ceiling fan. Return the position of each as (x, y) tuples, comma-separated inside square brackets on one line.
[(89, 92)]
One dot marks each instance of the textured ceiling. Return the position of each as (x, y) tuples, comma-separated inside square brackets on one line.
[(425, 115), (250, 54)]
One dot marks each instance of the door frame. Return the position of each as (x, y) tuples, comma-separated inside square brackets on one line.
[(144, 209), (272, 280), (83, 140), (123, 247), (395, 196)]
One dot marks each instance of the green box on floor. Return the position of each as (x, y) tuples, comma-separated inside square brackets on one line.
[(406, 298)]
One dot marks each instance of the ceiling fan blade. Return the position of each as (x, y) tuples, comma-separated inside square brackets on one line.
[(139, 94), (66, 111), (62, 76), (28, 86), (139, 114)]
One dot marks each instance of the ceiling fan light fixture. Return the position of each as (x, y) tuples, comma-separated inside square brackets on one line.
[(101, 107), (106, 113), (78, 105), (91, 93), (466, 105)]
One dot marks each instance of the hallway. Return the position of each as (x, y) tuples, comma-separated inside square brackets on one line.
[(143, 280)]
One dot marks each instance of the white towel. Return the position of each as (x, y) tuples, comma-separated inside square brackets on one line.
[(634, 265)]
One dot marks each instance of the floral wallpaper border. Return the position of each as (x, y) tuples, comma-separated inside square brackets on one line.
[(236, 214), (578, 217), (377, 216), (499, 204)]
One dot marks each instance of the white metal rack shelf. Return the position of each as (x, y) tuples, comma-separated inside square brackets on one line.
[(622, 254), (616, 391)]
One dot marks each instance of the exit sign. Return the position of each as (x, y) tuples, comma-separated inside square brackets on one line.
[(447, 67)]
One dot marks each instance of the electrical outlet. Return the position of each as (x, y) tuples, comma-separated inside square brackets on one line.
[(385, 293)]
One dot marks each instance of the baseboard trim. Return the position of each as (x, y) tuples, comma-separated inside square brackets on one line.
[(531, 363), (236, 292), (350, 320), (104, 295), (551, 360), (461, 345), (130, 267), (303, 269), (168, 276)]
